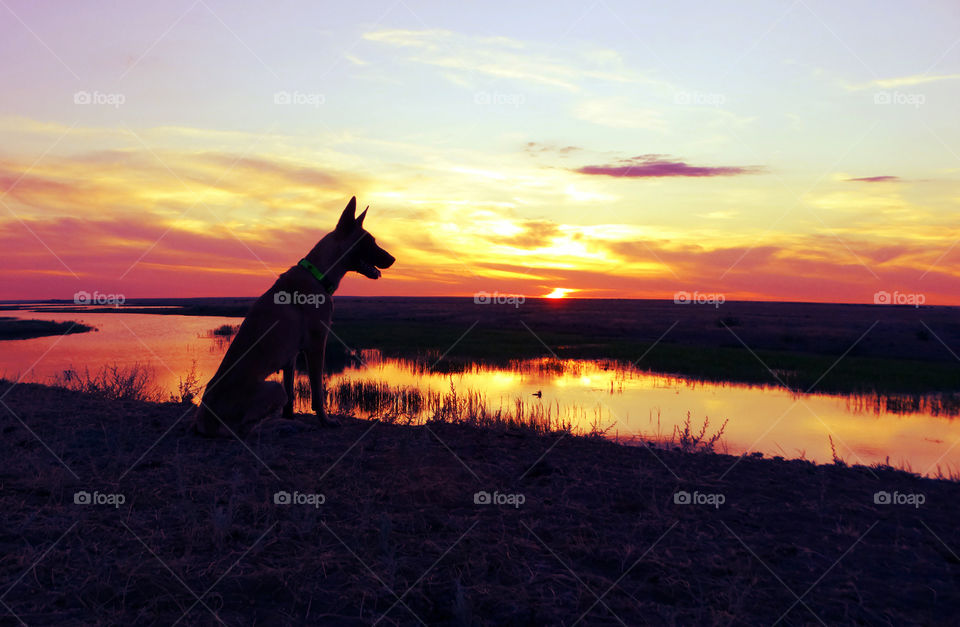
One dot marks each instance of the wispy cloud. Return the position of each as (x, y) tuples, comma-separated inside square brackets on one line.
[(886, 178), (615, 113), (901, 81), (563, 67), (534, 148), (656, 166)]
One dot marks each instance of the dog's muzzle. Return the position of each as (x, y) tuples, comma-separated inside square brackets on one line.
[(387, 261)]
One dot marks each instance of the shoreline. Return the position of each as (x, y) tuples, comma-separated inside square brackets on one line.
[(399, 519)]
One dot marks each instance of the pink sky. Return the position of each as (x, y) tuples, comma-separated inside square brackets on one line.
[(780, 152)]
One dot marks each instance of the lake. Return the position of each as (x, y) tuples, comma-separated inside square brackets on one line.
[(916, 432)]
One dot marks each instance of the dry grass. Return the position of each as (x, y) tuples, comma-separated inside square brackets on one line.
[(400, 521), (189, 386), (134, 383), (412, 405), (689, 440)]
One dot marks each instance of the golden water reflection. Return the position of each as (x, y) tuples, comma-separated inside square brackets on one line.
[(916, 432)]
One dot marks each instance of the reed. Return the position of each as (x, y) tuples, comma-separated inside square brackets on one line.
[(134, 382), (412, 405)]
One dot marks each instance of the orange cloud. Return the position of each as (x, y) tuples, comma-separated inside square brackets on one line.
[(180, 222)]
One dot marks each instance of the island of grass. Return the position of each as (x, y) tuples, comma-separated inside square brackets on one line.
[(17, 329)]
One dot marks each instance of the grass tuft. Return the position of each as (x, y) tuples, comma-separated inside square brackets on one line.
[(134, 382)]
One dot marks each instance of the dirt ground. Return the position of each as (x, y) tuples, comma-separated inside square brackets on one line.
[(384, 527)]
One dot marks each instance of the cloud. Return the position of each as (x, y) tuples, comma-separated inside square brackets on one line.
[(503, 57), (453, 232), (719, 215), (903, 81), (535, 147), (534, 234), (109, 182), (657, 166), (886, 178), (281, 173), (615, 113)]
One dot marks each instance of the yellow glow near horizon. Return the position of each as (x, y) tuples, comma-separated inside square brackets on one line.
[(559, 292)]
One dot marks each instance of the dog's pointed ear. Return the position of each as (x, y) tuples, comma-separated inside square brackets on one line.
[(348, 217), (362, 216)]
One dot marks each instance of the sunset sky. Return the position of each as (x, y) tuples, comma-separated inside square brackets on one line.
[(767, 150)]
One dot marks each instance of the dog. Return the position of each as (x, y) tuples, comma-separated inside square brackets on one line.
[(292, 317)]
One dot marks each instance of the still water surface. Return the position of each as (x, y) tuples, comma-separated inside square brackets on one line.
[(632, 403)]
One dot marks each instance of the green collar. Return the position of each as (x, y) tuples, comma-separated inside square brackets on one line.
[(319, 276)]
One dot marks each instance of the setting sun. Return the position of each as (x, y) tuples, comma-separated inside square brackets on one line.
[(559, 292)]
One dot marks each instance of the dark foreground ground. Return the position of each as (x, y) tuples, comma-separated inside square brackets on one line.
[(400, 540)]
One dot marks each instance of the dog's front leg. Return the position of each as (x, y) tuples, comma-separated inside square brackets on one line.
[(318, 390), (289, 373)]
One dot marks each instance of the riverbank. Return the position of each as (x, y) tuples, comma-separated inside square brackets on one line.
[(399, 533)]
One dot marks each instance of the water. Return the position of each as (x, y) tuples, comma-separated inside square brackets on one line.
[(916, 432), (169, 344)]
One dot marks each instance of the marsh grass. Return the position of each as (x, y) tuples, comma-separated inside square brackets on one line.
[(837, 459), (224, 330), (870, 401), (221, 336), (685, 437), (135, 382), (412, 405), (430, 362), (791, 363), (945, 405), (689, 440), (188, 387)]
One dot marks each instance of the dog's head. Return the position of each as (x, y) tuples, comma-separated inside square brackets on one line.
[(361, 251)]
